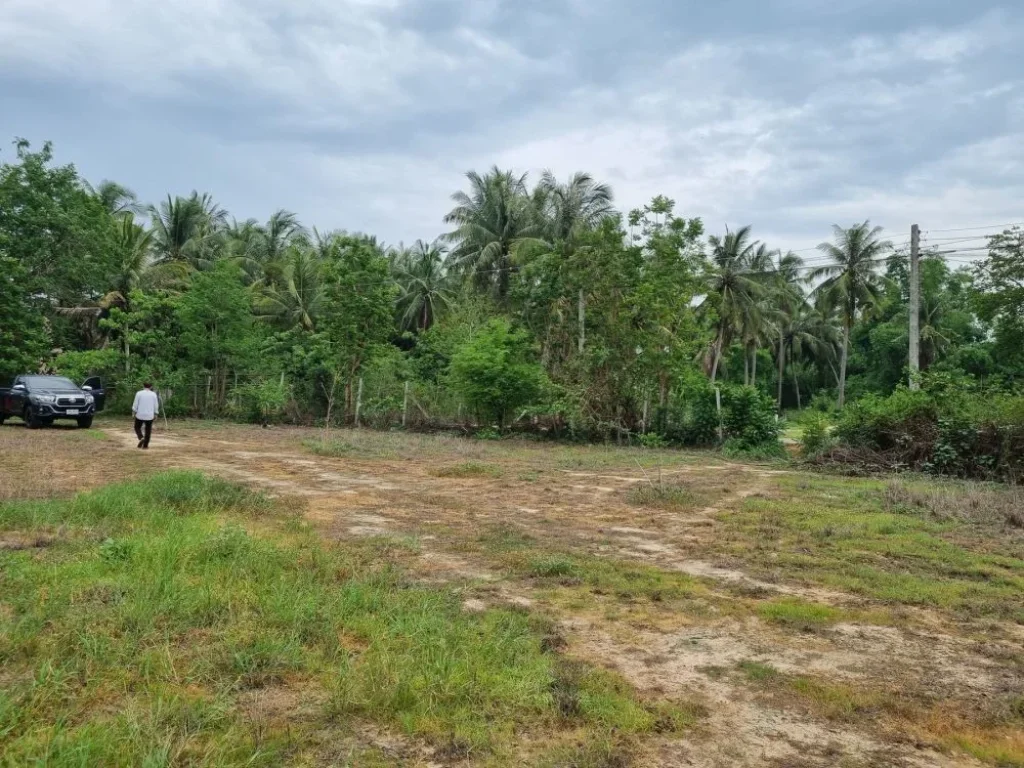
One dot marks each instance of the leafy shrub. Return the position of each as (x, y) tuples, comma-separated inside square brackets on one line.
[(78, 366), (262, 401), (495, 372), (948, 427), (823, 402), (652, 440), (748, 420), (816, 438)]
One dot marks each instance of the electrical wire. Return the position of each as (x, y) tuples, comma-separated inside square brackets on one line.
[(975, 229)]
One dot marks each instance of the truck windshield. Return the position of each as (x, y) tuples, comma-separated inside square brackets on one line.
[(48, 382)]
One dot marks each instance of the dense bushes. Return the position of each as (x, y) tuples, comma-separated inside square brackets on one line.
[(948, 427), (748, 420)]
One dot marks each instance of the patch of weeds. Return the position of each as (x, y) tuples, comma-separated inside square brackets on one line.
[(1002, 748), (469, 469), (836, 534), (609, 752), (676, 717), (758, 672), (659, 495), (799, 614), (834, 701), (506, 538), (553, 566)]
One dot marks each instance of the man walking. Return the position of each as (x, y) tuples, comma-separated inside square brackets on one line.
[(145, 409)]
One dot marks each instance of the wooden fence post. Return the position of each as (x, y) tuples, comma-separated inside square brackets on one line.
[(718, 406), (405, 405), (359, 399)]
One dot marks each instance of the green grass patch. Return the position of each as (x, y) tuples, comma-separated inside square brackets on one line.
[(831, 700), (469, 469), (758, 672), (524, 556), (136, 638), (799, 614), (838, 533)]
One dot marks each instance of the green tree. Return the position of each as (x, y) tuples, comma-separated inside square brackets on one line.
[(55, 228), (496, 373), (216, 326), (1000, 298), (357, 308), (426, 287), (117, 199), (851, 283), (23, 336), (188, 230), (734, 288), (295, 298), (493, 221)]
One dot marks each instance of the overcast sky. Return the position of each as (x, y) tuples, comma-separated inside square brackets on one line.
[(789, 115)]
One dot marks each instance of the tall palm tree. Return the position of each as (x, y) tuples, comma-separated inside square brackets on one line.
[(733, 285), (425, 287), (789, 296), (294, 299), (188, 230), (118, 199), (568, 210), (574, 207), (261, 248), (809, 333), (851, 283), (492, 222)]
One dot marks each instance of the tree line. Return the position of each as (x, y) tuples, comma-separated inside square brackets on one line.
[(541, 303)]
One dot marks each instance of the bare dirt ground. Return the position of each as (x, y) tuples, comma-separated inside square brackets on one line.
[(908, 671)]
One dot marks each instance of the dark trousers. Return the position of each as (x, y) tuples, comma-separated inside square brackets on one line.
[(141, 425)]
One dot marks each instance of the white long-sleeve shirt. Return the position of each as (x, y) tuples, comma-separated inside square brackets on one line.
[(146, 405)]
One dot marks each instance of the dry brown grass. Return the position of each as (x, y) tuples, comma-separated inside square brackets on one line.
[(1001, 506)]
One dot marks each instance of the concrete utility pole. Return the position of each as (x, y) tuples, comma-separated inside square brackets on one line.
[(582, 311), (915, 306)]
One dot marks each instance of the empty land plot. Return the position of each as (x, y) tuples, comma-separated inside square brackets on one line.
[(246, 596)]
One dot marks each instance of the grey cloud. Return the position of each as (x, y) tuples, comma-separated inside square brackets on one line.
[(364, 114)]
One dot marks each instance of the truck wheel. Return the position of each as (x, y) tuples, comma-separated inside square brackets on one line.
[(30, 420), (84, 422), (2, 419)]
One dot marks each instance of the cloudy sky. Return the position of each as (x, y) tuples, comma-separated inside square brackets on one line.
[(365, 114)]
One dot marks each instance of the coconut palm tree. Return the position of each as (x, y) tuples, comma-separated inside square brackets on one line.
[(851, 283), (294, 299), (118, 199), (574, 207), (188, 229), (492, 222), (425, 286), (734, 285), (789, 297), (567, 211)]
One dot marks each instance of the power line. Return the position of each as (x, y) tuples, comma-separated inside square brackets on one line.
[(975, 229)]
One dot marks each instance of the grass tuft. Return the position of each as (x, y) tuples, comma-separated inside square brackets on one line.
[(668, 496), (469, 469), (799, 614)]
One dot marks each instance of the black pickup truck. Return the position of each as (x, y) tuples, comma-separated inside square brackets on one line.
[(40, 400)]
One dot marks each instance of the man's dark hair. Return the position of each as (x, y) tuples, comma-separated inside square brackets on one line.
[(148, 385)]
